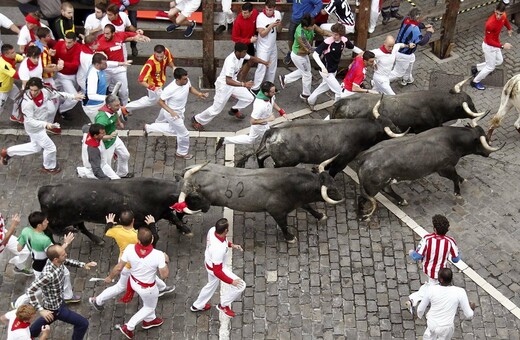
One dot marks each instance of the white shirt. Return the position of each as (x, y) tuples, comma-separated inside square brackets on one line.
[(36, 116), (25, 74), (85, 60), (92, 23), (176, 97), (120, 28), (24, 38), (231, 67), (262, 109), (5, 22), (18, 334), (144, 269), (216, 250), (385, 61), (444, 301), (269, 41)]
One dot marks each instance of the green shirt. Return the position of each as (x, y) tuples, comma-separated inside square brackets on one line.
[(37, 242), (309, 35), (109, 122)]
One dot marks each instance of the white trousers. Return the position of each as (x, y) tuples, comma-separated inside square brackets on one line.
[(120, 287), (149, 297), (11, 95), (92, 110), (493, 57), (19, 257), (329, 82), (174, 127), (39, 140), (122, 153), (222, 94), (439, 333), (403, 67), (264, 73), (226, 298), (328, 26), (381, 84), (151, 99), (256, 132), (114, 75), (85, 171), (303, 71), (421, 293), (67, 289), (66, 83)]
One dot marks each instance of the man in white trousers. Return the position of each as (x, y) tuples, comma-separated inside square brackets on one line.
[(144, 261), (10, 242), (445, 300), (171, 117), (94, 166), (385, 59), (260, 117), (124, 234), (215, 262), (39, 110), (227, 85), (267, 25), (96, 85)]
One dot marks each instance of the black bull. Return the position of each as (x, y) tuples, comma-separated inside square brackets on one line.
[(275, 191), (76, 201), (418, 110), (436, 150)]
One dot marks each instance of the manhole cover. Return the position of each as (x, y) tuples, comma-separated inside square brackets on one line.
[(443, 81)]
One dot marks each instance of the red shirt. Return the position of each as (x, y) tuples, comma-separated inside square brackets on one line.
[(70, 57), (355, 74), (493, 28), (244, 29), (114, 48)]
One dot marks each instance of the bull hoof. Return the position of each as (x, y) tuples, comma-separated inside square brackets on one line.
[(365, 218), (403, 203), (100, 242), (458, 196), (518, 129), (292, 240), (323, 218), (190, 234), (462, 180), (185, 230)]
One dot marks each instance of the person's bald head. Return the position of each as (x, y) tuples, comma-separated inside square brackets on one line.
[(389, 42)]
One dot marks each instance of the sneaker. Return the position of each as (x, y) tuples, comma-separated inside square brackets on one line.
[(220, 29), (124, 113), (287, 59), (167, 290), (92, 301), (73, 299), (236, 113), (226, 310), (304, 97), (5, 156), (128, 175), (54, 131), (206, 307), (151, 324), (403, 82), (311, 106), (144, 130), (172, 28), (135, 51), (219, 144), (282, 81), (189, 30), (25, 271), (186, 156), (51, 171), (16, 119), (478, 86), (474, 71), (126, 332), (409, 305), (196, 125)]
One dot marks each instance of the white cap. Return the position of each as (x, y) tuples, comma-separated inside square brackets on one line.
[(505, 2)]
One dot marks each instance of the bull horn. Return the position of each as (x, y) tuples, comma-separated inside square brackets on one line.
[(471, 113), (457, 87), (193, 170), (322, 165), (487, 146), (189, 211), (392, 134), (375, 110), (326, 197)]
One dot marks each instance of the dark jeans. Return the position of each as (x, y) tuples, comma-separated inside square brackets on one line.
[(66, 315)]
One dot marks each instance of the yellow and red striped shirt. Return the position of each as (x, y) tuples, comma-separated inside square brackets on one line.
[(154, 71)]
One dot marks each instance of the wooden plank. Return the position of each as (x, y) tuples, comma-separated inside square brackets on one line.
[(209, 71), (362, 21), (449, 22)]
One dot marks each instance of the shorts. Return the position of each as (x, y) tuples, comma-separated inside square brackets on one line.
[(187, 7)]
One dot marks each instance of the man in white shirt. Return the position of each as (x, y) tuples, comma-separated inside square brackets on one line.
[(144, 261), (267, 25), (260, 117), (444, 299), (93, 21), (28, 31), (385, 59), (31, 66), (173, 101), (227, 85), (215, 262)]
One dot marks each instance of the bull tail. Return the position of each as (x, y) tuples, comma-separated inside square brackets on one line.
[(241, 163)]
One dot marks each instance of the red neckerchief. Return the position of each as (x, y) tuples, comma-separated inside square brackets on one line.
[(91, 141), (147, 250), (33, 35), (19, 324), (220, 238), (30, 65), (408, 21), (12, 62), (118, 21), (107, 109), (179, 207), (38, 100), (384, 50), (268, 15)]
